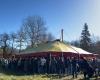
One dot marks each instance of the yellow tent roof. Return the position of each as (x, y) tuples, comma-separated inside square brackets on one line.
[(55, 46)]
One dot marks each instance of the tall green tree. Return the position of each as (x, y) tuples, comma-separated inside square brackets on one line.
[(85, 41)]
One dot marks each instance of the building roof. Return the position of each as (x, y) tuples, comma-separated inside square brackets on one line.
[(55, 46)]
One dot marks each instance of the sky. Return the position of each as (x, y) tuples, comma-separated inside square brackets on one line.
[(69, 15)]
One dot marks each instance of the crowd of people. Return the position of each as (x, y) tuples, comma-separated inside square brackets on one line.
[(51, 65)]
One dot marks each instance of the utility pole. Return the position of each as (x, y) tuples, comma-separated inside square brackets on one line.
[(62, 35)]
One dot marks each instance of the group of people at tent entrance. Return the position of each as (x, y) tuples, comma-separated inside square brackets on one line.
[(54, 57), (54, 65)]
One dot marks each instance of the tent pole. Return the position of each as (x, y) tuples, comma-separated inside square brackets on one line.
[(62, 34), (49, 62), (62, 57)]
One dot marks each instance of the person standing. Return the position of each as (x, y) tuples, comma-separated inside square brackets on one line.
[(43, 63), (69, 67), (74, 67), (86, 68)]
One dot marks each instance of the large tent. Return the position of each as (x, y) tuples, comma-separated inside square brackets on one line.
[(55, 48)]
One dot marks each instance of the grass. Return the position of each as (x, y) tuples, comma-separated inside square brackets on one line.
[(6, 75), (40, 77), (24, 77)]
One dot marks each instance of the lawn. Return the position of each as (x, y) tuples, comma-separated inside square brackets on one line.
[(6, 75), (40, 77), (24, 77)]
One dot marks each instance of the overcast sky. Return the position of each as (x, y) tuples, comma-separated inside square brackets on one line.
[(67, 14)]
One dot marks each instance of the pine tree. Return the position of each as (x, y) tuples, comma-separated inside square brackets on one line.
[(85, 41)]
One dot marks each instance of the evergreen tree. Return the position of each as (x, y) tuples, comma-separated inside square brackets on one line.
[(85, 42)]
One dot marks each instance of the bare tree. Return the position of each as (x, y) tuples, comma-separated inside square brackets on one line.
[(4, 40), (44, 38), (13, 37), (20, 39), (34, 28), (50, 37)]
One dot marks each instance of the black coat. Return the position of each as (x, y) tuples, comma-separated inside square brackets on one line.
[(86, 68)]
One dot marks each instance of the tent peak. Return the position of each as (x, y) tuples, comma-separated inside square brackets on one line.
[(56, 40)]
